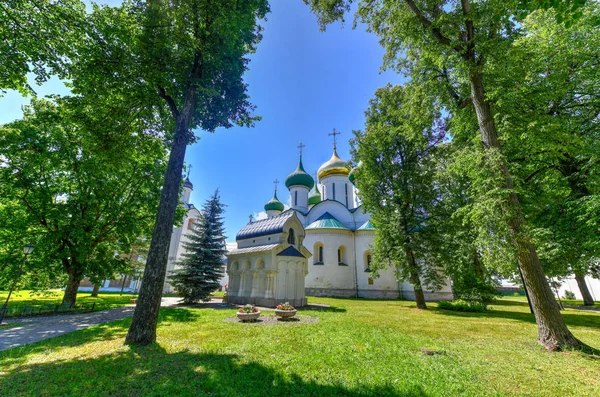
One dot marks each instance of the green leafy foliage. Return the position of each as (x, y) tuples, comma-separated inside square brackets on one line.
[(80, 194), (203, 265), (396, 152), (461, 305)]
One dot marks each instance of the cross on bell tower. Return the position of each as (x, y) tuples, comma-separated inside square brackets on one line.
[(276, 182), (334, 134), (189, 171)]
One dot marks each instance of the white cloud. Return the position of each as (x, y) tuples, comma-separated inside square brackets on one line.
[(258, 216)]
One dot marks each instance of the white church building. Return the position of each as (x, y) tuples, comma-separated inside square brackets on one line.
[(320, 246)]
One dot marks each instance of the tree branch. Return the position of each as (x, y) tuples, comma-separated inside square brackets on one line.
[(428, 25), (172, 105)]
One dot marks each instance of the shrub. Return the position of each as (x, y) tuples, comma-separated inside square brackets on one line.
[(461, 305), (570, 295)]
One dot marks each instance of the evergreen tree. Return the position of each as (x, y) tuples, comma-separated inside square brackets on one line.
[(202, 268)]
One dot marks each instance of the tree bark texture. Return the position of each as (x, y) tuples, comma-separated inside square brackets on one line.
[(145, 317), (552, 330), (415, 280), (70, 296), (95, 290), (583, 288)]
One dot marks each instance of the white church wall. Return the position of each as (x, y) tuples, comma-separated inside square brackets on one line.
[(338, 188), (570, 284), (337, 210), (383, 287), (331, 278), (299, 197)]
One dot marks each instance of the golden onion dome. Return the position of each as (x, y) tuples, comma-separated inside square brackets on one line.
[(335, 166)]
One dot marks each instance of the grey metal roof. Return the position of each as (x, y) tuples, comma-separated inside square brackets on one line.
[(257, 248), (266, 226)]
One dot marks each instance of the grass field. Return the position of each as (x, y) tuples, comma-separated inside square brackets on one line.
[(21, 299), (358, 347)]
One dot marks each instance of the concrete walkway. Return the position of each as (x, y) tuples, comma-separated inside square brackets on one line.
[(34, 329)]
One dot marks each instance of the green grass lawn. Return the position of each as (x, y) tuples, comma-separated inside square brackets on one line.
[(28, 299), (358, 347)]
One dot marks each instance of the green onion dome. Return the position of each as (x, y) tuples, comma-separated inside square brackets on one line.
[(315, 196), (335, 166), (274, 204), (299, 177), (352, 174)]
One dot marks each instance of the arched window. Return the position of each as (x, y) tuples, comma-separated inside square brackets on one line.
[(368, 258), (291, 238), (333, 189), (342, 256), (318, 254), (191, 223), (296, 198)]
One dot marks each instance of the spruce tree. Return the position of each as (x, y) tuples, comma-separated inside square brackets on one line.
[(202, 267)]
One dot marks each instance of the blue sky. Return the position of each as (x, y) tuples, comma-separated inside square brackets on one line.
[(304, 83)]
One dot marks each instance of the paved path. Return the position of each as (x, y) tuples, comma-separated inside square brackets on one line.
[(39, 328), (585, 308)]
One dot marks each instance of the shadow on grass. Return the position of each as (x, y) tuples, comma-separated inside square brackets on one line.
[(571, 319), (152, 371), (177, 315)]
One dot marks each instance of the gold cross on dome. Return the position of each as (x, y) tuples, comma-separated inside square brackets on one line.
[(334, 134), (301, 146)]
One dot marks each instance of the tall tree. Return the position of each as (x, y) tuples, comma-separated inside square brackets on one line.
[(460, 38), (395, 181), (183, 60), (87, 193), (549, 95), (203, 265)]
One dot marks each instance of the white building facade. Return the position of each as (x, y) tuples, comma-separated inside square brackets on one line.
[(337, 237)]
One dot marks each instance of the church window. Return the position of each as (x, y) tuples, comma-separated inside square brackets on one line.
[(333, 189), (295, 198), (291, 238), (318, 254), (367, 262), (342, 256), (346, 189), (191, 223), (370, 280)]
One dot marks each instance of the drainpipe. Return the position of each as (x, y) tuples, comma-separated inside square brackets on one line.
[(355, 267)]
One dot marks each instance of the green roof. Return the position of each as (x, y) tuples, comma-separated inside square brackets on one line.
[(315, 196), (367, 226), (299, 177), (326, 221), (274, 204)]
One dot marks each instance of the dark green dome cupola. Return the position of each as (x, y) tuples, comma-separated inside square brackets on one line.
[(274, 204), (315, 196), (299, 177)]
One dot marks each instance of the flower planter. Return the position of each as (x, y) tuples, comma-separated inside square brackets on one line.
[(285, 313), (248, 316)]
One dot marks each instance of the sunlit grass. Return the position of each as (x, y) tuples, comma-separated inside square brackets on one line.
[(358, 347), (30, 299)]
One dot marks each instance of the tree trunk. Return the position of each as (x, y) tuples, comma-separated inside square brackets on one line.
[(585, 292), (415, 280), (70, 296), (552, 330), (95, 290), (145, 317)]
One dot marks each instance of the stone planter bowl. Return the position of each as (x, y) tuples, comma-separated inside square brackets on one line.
[(285, 313), (248, 316)]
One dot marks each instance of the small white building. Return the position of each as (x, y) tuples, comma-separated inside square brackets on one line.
[(336, 234)]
